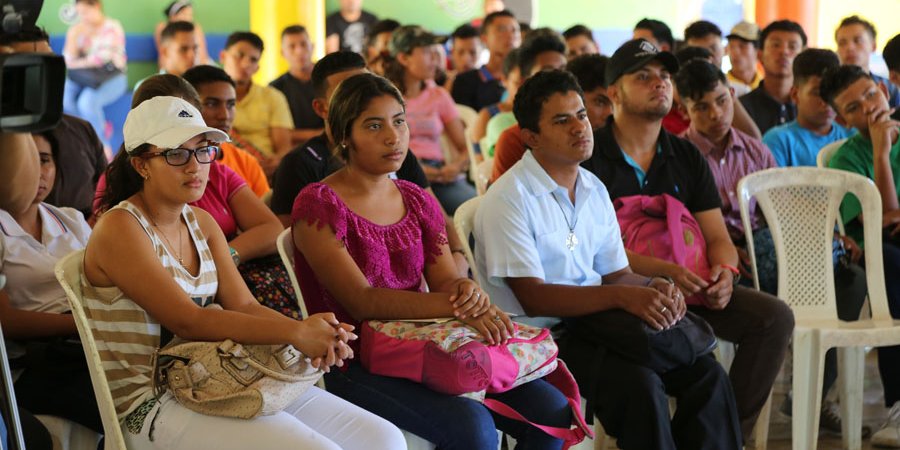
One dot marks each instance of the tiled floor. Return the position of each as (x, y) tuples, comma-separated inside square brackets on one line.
[(780, 425)]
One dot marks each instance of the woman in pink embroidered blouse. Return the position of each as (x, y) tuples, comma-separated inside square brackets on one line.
[(365, 244), (95, 56)]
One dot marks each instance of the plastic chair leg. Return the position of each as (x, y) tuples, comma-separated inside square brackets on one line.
[(761, 429), (851, 367), (807, 386)]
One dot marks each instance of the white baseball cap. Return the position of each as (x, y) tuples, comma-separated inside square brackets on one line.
[(166, 122)]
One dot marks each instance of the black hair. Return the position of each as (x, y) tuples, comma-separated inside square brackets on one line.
[(26, 34), (782, 25), (88, 2), (698, 77), (813, 62), (54, 145), (892, 53), (465, 31), (578, 30), (856, 20), (245, 36), (122, 181), (293, 29), (691, 52), (350, 99), (525, 29), (701, 29), (539, 41), (199, 75), (382, 26), (838, 79), (532, 95), (172, 28), (660, 31), (331, 64), (490, 18), (589, 70), (511, 61)]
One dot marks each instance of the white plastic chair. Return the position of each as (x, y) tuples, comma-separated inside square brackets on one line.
[(822, 159), (825, 154), (800, 205), (68, 435), (483, 172), (285, 245), (68, 271)]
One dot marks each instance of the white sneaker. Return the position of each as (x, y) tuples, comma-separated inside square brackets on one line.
[(889, 434)]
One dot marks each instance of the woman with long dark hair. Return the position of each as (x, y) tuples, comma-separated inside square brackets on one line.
[(365, 243)]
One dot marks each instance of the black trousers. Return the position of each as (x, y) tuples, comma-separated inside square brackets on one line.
[(56, 382), (632, 402)]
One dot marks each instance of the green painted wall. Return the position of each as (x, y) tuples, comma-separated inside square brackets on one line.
[(141, 16), (444, 15)]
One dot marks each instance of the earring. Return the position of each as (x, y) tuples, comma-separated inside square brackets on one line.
[(146, 176)]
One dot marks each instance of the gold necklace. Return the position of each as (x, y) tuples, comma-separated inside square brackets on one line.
[(161, 232)]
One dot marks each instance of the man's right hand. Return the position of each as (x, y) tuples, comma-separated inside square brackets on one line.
[(883, 131), (653, 307)]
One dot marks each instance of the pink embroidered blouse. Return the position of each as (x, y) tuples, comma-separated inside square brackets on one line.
[(390, 256)]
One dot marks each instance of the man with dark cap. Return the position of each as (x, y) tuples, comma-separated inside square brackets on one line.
[(634, 155)]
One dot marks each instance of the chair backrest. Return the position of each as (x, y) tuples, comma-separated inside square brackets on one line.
[(469, 116), (464, 221), (483, 172), (285, 244), (68, 271), (827, 152), (800, 205)]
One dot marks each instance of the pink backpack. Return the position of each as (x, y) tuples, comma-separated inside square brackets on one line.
[(662, 227), (451, 358)]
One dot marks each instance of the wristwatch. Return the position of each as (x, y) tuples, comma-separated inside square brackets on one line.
[(235, 256), (667, 279)]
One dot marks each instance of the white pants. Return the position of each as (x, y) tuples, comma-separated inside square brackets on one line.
[(316, 421)]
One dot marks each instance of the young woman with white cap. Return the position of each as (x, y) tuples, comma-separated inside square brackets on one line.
[(153, 262)]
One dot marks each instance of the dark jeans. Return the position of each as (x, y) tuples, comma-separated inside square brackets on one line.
[(452, 422), (57, 382), (632, 403), (761, 326)]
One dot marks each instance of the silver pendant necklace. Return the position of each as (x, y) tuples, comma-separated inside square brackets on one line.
[(571, 239)]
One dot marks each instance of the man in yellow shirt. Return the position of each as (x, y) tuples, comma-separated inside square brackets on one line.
[(262, 114), (217, 104)]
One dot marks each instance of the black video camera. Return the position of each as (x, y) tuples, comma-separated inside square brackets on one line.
[(31, 84)]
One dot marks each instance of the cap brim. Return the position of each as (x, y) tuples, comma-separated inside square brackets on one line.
[(667, 59), (737, 36), (174, 137)]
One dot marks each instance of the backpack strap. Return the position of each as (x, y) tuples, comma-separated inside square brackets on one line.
[(563, 380)]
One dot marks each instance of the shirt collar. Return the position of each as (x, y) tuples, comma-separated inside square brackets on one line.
[(539, 182), (52, 225), (485, 74), (706, 146), (605, 141)]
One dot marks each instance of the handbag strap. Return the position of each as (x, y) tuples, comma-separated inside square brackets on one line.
[(566, 434)]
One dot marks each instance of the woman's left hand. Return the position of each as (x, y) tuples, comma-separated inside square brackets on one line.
[(469, 300)]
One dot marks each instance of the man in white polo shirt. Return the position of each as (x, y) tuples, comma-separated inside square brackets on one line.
[(549, 247)]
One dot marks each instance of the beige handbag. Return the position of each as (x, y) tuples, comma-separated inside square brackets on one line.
[(232, 380)]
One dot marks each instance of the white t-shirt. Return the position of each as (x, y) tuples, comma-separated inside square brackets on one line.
[(28, 264)]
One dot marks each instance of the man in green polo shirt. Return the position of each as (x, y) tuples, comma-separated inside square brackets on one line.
[(874, 153)]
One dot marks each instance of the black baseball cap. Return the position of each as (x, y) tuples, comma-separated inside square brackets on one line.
[(408, 37), (635, 54)]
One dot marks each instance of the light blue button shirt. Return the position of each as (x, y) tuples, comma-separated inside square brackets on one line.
[(521, 228)]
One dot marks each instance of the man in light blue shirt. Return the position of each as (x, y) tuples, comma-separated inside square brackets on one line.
[(548, 245), (797, 143)]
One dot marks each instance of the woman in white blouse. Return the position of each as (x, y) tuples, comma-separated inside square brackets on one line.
[(41, 335)]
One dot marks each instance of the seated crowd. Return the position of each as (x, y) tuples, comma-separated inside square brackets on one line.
[(365, 155)]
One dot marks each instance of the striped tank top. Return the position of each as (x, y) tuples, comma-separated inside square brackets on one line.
[(126, 335)]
